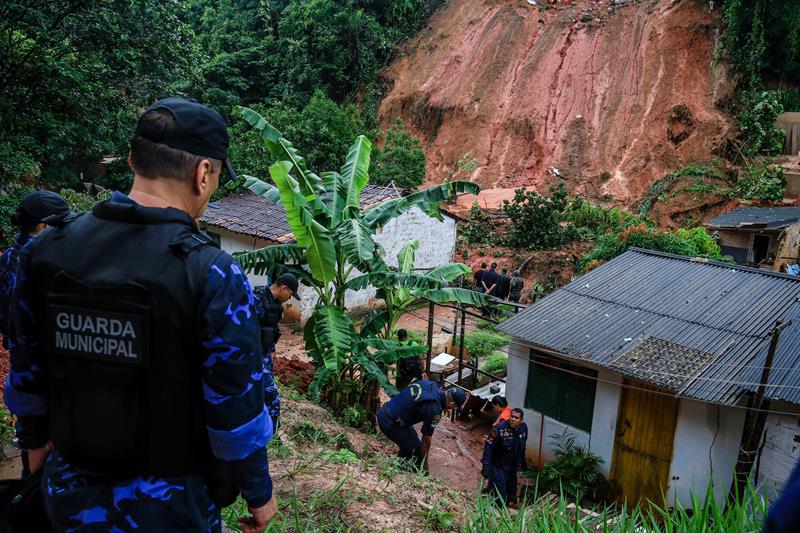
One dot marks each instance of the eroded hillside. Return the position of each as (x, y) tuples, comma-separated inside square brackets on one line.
[(611, 94)]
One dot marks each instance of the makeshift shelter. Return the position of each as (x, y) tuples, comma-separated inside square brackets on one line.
[(790, 123)]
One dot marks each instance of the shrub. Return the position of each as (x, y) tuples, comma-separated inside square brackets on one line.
[(482, 343), (401, 160), (9, 200), (496, 364), (80, 201), (536, 219), (766, 184), (575, 471), (599, 220), (354, 416), (758, 133), (478, 229)]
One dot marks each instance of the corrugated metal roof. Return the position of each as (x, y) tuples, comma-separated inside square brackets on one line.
[(249, 214), (756, 218), (724, 310)]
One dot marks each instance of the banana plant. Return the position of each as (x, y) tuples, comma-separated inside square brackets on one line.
[(335, 251)]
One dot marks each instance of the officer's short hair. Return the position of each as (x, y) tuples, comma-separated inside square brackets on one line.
[(483, 265), (500, 401), (519, 412), (402, 334), (155, 160)]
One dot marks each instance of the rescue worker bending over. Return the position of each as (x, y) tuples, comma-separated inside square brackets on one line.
[(408, 368), (137, 371), (503, 455), (269, 309), (423, 401)]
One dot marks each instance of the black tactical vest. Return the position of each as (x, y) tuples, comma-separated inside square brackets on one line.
[(117, 295), (273, 311)]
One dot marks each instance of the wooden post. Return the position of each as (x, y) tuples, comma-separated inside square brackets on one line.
[(461, 348), (431, 310), (755, 420)]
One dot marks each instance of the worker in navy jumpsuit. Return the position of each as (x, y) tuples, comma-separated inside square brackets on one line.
[(503, 455)]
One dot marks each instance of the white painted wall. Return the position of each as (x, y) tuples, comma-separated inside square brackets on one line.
[(706, 445), (540, 428), (437, 241), (781, 452)]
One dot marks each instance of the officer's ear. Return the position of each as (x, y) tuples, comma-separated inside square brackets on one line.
[(204, 178)]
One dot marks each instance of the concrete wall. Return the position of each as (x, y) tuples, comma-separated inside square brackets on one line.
[(540, 428), (437, 241), (780, 453), (706, 445)]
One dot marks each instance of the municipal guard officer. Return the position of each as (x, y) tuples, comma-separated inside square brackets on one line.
[(408, 368), (137, 367), (269, 309), (423, 401), (36, 210), (503, 455)]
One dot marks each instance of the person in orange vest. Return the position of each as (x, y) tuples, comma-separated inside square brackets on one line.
[(501, 409)]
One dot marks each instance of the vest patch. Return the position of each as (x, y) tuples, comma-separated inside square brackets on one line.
[(96, 333)]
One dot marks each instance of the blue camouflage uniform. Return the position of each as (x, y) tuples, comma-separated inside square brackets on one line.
[(422, 401), (232, 383), (8, 272), (784, 516), (503, 454), (271, 397)]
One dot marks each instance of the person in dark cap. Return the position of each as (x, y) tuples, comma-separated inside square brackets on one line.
[(422, 401), (504, 455), (269, 302), (36, 210), (137, 375)]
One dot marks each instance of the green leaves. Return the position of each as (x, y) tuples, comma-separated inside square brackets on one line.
[(354, 176), (356, 242), (428, 200), (262, 260), (450, 271), (392, 279), (455, 295), (334, 334), (262, 188)]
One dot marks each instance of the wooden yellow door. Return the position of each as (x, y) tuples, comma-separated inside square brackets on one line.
[(643, 443)]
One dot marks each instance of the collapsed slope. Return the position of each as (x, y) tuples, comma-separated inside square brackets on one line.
[(611, 93)]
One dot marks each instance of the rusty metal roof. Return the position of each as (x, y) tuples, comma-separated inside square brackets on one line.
[(756, 218), (718, 316), (248, 214)]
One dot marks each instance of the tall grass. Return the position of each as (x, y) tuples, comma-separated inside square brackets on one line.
[(743, 516)]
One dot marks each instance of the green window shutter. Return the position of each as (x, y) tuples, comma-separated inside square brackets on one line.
[(559, 390)]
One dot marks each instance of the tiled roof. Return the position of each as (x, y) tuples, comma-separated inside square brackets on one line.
[(699, 328), (249, 214)]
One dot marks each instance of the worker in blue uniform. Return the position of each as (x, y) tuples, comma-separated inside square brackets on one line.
[(422, 401), (35, 212), (269, 302), (504, 455), (136, 364)]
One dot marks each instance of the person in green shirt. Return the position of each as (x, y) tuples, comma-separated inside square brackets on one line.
[(409, 369)]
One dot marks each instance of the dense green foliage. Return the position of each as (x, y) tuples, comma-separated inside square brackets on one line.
[(482, 343), (764, 183), (401, 161), (536, 218), (575, 472), (496, 364), (10, 197), (757, 130), (762, 39), (73, 75)]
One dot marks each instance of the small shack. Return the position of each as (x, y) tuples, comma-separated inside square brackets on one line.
[(650, 361), (764, 237), (790, 123), (246, 221)]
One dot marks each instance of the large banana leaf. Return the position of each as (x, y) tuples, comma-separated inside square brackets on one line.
[(450, 271), (321, 378), (407, 256), (392, 279), (355, 175), (310, 234), (374, 322), (454, 295), (374, 371), (335, 195), (262, 260), (390, 351), (428, 200), (262, 188), (356, 242), (334, 333), (282, 150)]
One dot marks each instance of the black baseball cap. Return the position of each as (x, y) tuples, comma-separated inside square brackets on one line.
[(41, 206), (198, 130), (289, 280)]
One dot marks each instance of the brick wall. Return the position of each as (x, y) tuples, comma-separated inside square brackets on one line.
[(781, 451)]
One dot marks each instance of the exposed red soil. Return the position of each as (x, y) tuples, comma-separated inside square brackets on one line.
[(608, 97), (294, 372)]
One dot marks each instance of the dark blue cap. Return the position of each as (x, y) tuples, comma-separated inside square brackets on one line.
[(41, 206), (458, 395), (198, 130)]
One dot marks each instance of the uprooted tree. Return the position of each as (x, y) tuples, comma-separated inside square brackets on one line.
[(334, 252)]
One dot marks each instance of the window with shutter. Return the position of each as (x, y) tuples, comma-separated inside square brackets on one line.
[(562, 391)]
